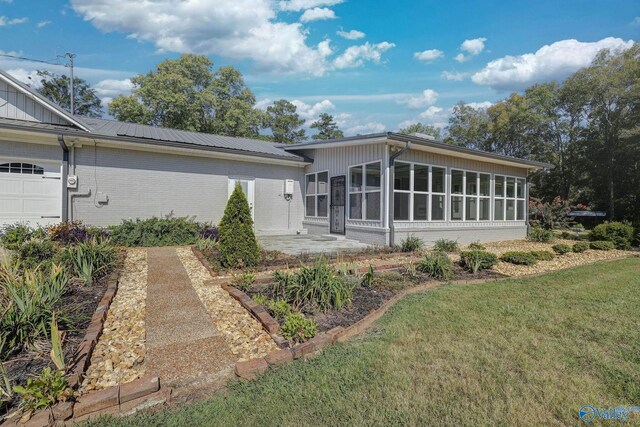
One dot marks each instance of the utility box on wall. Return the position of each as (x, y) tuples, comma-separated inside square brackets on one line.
[(288, 187)]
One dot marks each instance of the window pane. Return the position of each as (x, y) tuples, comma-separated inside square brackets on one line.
[(437, 208), (322, 205), (472, 183), (511, 187), (472, 208), (373, 176), (485, 181), (37, 170), (401, 206), (420, 178), (401, 177), (437, 177), (521, 184), (511, 210), (521, 210), (323, 182), (498, 213), (456, 208), (373, 205), (456, 182), (355, 206), (484, 209), (420, 207), (499, 186), (311, 184), (311, 206), (355, 180)]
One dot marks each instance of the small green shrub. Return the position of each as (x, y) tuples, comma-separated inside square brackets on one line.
[(45, 390), (620, 233), (169, 231), (602, 245), (260, 299), (561, 248), (445, 245), (476, 246), (580, 247), (90, 260), (205, 244), (411, 244), (367, 277), (238, 245), (297, 328), (519, 258), (15, 235), (392, 280), (437, 265), (543, 255), (36, 253), (477, 260), (279, 309), (243, 281), (539, 234)]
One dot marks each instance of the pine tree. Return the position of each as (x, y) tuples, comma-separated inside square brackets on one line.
[(237, 244)]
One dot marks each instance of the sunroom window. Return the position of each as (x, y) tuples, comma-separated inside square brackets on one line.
[(364, 192), (317, 194), (418, 192), (509, 199), (472, 189)]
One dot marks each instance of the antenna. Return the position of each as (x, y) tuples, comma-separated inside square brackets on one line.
[(71, 56)]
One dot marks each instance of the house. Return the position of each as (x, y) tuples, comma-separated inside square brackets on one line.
[(377, 188)]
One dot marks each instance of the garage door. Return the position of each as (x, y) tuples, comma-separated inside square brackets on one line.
[(30, 193)]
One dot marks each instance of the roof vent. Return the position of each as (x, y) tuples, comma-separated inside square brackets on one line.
[(423, 136)]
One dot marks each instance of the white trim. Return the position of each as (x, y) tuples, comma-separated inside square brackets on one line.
[(363, 192), (465, 196), (505, 198), (316, 194), (430, 193)]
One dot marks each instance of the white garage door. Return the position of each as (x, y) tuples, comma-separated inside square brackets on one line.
[(30, 193)]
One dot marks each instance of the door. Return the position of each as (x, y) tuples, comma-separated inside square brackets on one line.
[(338, 198), (30, 193), (248, 187)]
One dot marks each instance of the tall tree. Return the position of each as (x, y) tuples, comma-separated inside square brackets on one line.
[(421, 128), (327, 128), (469, 127), (285, 122), (57, 87)]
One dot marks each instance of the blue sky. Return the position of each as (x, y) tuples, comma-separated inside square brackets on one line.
[(375, 65)]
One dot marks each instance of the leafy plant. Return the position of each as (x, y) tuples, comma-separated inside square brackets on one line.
[(519, 258), (411, 244), (260, 299), (620, 233), (74, 232), (476, 246), (550, 215), (297, 328), (580, 247), (238, 246), (6, 388), (168, 231), (205, 244), (561, 248), (539, 234), (437, 265), (36, 253), (279, 308), (45, 390), (243, 281), (445, 245), (602, 245), (367, 277), (543, 255), (91, 259), (477, 260), (411, 269), (15, 235), (208, 231)]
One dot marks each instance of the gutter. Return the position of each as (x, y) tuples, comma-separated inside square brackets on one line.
[(63, 178), (392, 171)]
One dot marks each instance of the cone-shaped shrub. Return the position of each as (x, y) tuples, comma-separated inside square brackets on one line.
[(238, 246)]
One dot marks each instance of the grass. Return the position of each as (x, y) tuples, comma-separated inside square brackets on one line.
[(512, 353)]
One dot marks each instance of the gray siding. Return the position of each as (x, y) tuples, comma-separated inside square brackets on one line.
[(16, 105), (464, 235), (21, 151)]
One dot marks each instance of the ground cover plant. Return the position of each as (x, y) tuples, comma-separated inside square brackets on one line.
[(539, 234), (561, 248), (580, 247), (602, 245), (411, 244), (167, 231), (519, 258), (445, 245), (476, 260), (437, 265), (543, 255)]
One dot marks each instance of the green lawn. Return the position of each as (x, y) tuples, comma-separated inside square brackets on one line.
[(516, 352)]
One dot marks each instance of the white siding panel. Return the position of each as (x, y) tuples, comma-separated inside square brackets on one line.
[(18, 106)]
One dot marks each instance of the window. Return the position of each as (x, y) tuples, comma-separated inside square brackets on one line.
[(510, 197), (364, 191), (470, 196), (23, 168), (317, 194), (418, 192)]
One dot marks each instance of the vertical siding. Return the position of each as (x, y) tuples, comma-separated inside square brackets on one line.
[(18, 106)]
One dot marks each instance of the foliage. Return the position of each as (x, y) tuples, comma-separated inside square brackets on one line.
[(391, 280), (477, 246), (367, 278), (421, 128), (243, 281), (36, 253), (620, 233), (543, 255), (476, 260), (208, 231), (279, 308), (602, 245), (519, 258), (284, 122), (205, 244), (45, 390), (539, 234), (327, 128), (561, 248), (238, 246), (91, 259), (437, 265), (168, 231), (56, 88), (74, 232), (580, 247), (445, 245), (6, 388), (260, 299), (549, 215), (14, 235), (411, 244), (297, 328)]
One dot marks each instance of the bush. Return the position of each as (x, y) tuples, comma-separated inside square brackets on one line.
[(15, 235), (203, 244), (445, 245), (620, 233), (243, 281), (519, 258), (580, 247), (36, 254), (477, 260), (437, 265), (297, 328), (411, 244), (550, 215), (476, 246), (539, 234), (602, 245), (561, 248), (238, 246), (279, 309), (90, 260), (260, 300), (74, 232), (208, 231), (167, 231), (543, 255)]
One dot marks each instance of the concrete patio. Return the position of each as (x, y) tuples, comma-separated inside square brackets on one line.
[(308, 243)]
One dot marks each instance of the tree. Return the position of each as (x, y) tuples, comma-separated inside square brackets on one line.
[(237, 242), (421, 128), (327, 128), (468, 127), (57, 87), (284, 122)]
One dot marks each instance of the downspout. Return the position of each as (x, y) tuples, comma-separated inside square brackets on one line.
[(392, 172), (63, 178)]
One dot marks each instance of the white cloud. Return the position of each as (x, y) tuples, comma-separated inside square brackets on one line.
[(431, 112), (355, 56), (455, 76), (317, 14), (551, 62), (4, 21), (427, 97), (365, 128), (29, 77), (428, 55), (472, 47), (113, 88), (479, 105), (264, 103), (351, 35), (42, 24), (298, 5), (636, 21), (311, 112)]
